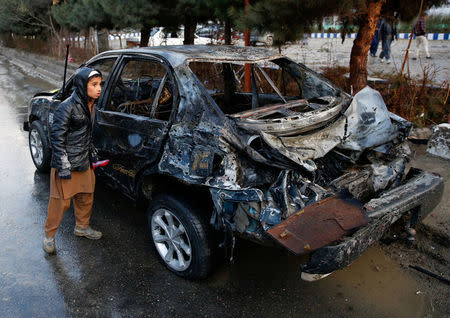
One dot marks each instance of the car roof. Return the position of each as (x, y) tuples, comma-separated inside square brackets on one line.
[(179, 54)]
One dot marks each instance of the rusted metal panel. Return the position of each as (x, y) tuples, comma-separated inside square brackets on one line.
[(319, 224), (292, 118)]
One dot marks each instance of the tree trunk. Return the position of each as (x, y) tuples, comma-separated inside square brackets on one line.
[(61, 43), (361, 45), (189, 29), (93, 41), (227, 31), (86, 37), (102, 40), (9, 40), (145, 36), (57, 36)]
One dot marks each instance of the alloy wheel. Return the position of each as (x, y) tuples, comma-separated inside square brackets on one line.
[(37, 151), (171, 240)]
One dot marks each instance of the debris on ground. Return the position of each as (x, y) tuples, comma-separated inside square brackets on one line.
[(420, 134), (439, 143)]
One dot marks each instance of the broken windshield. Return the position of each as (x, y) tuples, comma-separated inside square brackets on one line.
[(268, 82)]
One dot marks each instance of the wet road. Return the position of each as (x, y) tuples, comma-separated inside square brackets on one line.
[(119, 275)]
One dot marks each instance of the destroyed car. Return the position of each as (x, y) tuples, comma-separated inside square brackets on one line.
[(232, 141)]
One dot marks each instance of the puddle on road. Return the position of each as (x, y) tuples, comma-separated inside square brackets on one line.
[(375, 280), (373, 286)]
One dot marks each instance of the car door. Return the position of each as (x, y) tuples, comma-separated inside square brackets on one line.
[(133, 118)]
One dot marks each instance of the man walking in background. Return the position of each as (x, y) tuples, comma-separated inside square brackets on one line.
[(375, 40), (421, 36), (388, 32)]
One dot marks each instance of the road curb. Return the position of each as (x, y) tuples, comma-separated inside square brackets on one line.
[(49, 69)]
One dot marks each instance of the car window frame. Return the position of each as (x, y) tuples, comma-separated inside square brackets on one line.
[(118, 69), (89, 63)]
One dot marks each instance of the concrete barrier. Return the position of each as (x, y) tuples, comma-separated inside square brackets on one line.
[(430, 36)]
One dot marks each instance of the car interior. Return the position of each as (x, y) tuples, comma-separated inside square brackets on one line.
[(143, 89), (270, 82)]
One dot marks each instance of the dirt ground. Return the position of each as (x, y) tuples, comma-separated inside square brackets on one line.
[(321, 53), (430, 250)]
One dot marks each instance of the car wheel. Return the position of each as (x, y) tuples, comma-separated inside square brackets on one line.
[(39, 147), (181, 237)]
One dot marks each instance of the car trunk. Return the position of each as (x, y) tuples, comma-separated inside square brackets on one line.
[(337, 155)]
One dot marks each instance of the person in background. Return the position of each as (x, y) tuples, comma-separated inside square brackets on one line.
[(72, 176), (421, 36), (388, 32), (375, 40)]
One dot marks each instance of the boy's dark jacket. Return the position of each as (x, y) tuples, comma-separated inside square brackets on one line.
[(71, 131)]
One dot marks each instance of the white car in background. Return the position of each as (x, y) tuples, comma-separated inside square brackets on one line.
[(160, 36)]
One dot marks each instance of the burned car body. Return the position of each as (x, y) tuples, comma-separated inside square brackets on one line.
[(257, 145)]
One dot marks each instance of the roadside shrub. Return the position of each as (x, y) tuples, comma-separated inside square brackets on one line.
[(439, 23), (31, 44), (417, 100), (80, 51), (338, 75), (436, 23)]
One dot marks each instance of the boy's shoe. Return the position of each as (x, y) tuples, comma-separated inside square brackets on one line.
[(381, 60), (48, 244), (388, 61), (429, 57), (414, 58), (88, 233)]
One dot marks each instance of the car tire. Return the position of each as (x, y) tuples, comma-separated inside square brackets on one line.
[(39, 147), (181, 237)]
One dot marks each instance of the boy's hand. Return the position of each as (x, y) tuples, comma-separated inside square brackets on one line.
[(64, 174)]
